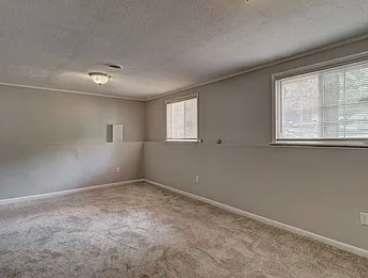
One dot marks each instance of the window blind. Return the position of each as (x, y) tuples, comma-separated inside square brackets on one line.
[(182, 122), (327, 104)]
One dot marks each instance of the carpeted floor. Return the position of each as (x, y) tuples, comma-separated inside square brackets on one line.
[(141, 231)]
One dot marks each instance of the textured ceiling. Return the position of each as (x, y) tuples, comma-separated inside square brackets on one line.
[(164, 45)]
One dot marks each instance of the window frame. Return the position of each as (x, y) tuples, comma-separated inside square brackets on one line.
[(180, 99), (351, 60)]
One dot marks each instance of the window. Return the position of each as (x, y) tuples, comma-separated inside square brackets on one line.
[(182, 120), (327, 107)]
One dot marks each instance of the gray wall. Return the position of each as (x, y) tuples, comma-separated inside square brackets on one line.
[(54, 141), (321, 190)]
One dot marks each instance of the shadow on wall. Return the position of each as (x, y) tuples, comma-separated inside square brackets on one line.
[(53, 141), (30, 169)]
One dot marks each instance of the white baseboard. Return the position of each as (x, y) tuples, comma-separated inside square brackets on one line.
[(64, 192), (337, 244)]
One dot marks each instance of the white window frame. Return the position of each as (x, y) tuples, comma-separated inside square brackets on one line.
[(180, 99), (356, 59)]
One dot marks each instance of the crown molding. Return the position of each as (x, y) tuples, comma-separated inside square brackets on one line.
[(50, 89), (263, 66), (199, 84)]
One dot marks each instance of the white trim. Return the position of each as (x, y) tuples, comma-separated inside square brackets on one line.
[(70, 91), (263, 66), (199, 84), (64, 192), (353, 59), (183, 98), (337, 244), (363, 143), (190, 141), (357, 59)]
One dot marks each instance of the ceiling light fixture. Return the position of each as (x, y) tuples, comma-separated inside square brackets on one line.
[(99, 78)]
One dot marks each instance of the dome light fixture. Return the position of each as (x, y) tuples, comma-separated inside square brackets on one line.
[(99, 78)]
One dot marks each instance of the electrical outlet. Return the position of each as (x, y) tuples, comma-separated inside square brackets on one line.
[(117, 170), (364, 218), (196, 179)]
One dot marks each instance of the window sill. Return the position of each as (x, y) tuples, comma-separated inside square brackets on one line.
[(189, 141), (322, 144)]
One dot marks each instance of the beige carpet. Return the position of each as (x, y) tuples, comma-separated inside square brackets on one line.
[(141, 231)]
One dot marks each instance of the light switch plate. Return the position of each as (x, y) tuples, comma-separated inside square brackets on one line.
[(364, 218)]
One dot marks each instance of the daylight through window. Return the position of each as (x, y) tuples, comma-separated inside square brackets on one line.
[(182, 120), (324, 105)]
